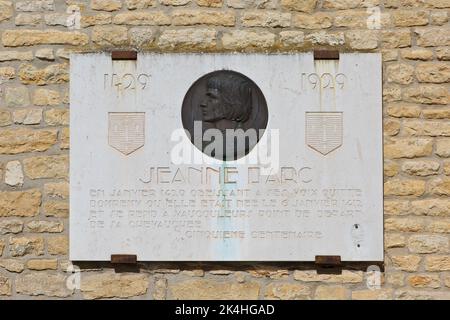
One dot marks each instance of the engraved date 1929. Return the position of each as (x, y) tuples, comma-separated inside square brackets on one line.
[(126, 81)]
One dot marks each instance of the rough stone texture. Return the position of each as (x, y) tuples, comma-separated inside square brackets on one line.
[(20, 203), (14, 174), (113, 285), (215, 290), (47, 284), (287, 291), (20, 246), (46, 167), (37, 40)]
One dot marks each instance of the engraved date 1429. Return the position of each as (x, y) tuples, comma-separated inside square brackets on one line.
[(126, 81)]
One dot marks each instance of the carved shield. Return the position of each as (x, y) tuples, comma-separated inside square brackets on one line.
[(126, 131), (324, 131)]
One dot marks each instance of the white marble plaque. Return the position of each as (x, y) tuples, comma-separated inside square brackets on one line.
[(311, 186)]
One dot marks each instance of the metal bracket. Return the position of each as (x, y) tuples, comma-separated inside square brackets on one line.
[(326, 54), (124, 258), (328, 264), (124, 55)]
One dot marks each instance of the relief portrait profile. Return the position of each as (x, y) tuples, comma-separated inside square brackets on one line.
[(226, 105)]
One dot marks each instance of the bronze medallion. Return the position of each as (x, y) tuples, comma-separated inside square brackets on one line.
[(225, 114)]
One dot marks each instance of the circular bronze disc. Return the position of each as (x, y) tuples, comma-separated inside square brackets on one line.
[(225, 114)]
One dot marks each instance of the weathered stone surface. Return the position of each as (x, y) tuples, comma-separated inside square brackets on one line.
[(394, 240), (139, 4), (341, 4), (432, 37), (409, 18), (287, 291), (312, 21), (431, 207), (399, 38), (45, 226), (243, 39), (6, 10), (106, 5), (57, 190), (35, 5), (427, 128), (141, 36), (417, 54), (403, 110), (57, 117), (58, 209), (160, 289), (404, 224), (7, 73), (5, 118), (174, 2), (312, 276), (154, 18), (207, 17), (299, 5), (58, 245), (378, 294), (188, 39), (45, 54), (433, 72), (436, 113), (110, 35), (351, 19), (400, 73), (96, 20), (53, 74), (28, 19), (440, 186), (21, 246), (443, 53), (292, 38), (65, 138), (17, 96), (326, 38), (421, 167), (47, 284), (443, 148), (20, 140), (391, 127), (5, 286), (396, 207), (421, 295), (409, 263), (398, 187), (427, 94), (390, 168), (208, 289), (46, 97), (13, 173), (408, 148), (395, 279), (12, 265), (439, 226), (46, 167), (15, 55), (262, 18), (428, 244), (446, 168), (331, 293), (17, 38), (389, 55), (20, 203), (57, 19), (210, 3), (28, 116), (2, 247), (392, 93), (424, 281), (437, 263), (113, 285), (362, 39), (42, 264), (438, 18), (11, 226)]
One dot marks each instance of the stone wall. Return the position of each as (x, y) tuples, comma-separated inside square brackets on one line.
[(36, 39)]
